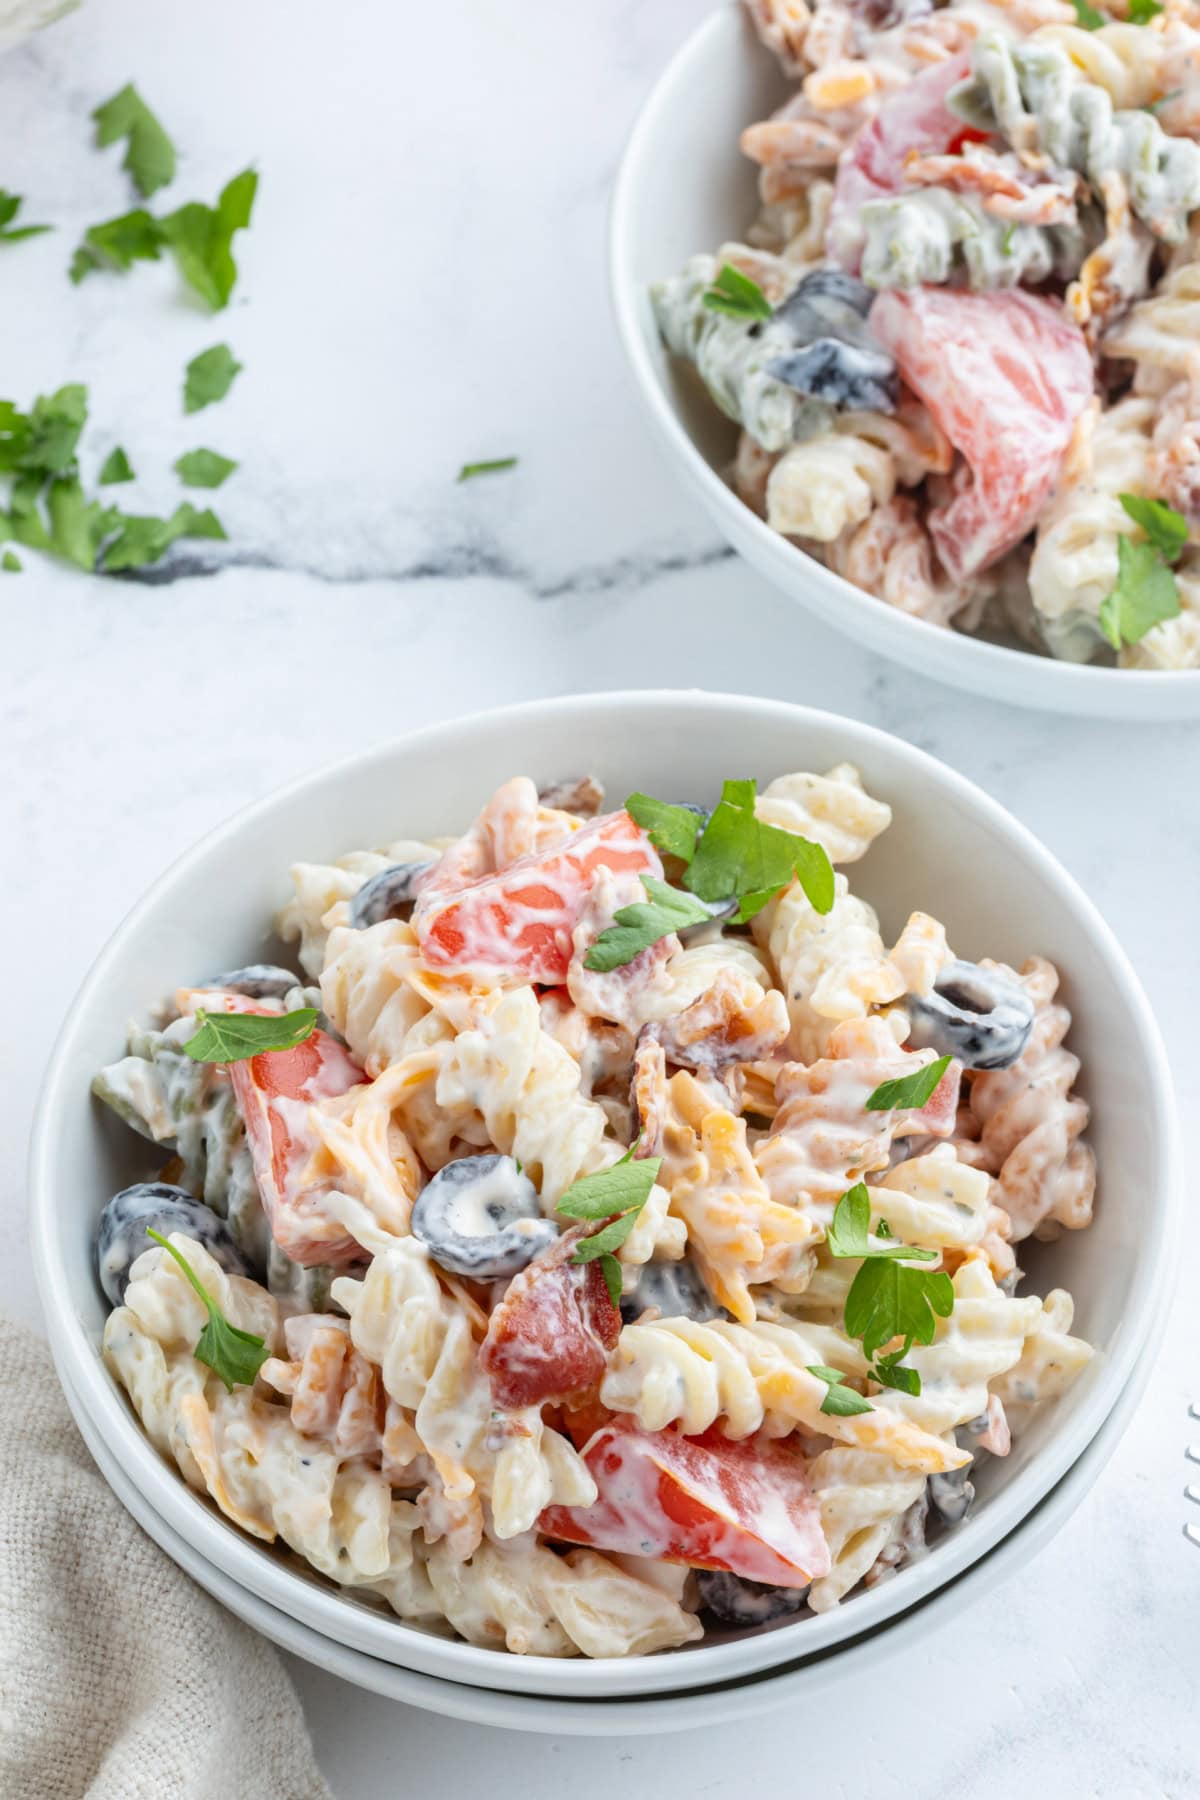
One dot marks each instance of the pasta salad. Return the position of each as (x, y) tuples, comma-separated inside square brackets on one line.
[(602, 1236), (959, 336)]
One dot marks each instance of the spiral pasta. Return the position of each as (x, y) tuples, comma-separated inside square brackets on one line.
[(832, 966)]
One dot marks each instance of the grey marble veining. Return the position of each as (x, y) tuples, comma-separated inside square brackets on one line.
[(423, 286)]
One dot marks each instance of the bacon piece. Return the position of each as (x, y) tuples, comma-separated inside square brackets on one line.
[(705, 1501), (550, 1335)]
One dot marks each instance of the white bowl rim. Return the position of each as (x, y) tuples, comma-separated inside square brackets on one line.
[(384, 1635), (1082, 687), (731, 1703)]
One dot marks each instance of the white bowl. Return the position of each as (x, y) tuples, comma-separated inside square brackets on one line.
[(805, 1680), (684, 187), (951, 850)]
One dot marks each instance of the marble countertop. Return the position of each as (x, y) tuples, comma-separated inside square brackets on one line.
[(424, 285)]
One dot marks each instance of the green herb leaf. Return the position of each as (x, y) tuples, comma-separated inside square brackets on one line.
[(737, 295), (889, 1300), (146, 539), (232, 1037), (849, 1232), (209, 377), (1006, 242), (149, 152), (1166, 529), (610, 1268), (840, 1400), (117, 244), (739, 855), (909, 1090), (27, 525), (11, 563), (72, 522), (1144, 596), (201, 238), (1142, 11), (235, 1355), (44, 440), (1087, 16), (883, 1229), (10, 206), (610, 1237), (117, 467), (642, 924), (624, 1187), (671, 829), (204, 468), (470, 470), (891, 1371)]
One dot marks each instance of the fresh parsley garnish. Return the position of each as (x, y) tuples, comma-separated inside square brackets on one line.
[(622, 1190), (44, 440), (1166, 529), (671, 829), (1142, 11), (149, 152), (11, 563), (1087, 16), (886, 1299), (231, 1037), (199, 236), (892, 1371), (643, 923), (116, 467), (204, 468), (143, 538), (908, 1090), (209, 377), (470, 470), (235, 1355), (10, 206), (839, 1399), (736, 295), (1146, 593)]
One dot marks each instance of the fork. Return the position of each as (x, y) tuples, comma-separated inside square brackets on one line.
[(1192, 1491)]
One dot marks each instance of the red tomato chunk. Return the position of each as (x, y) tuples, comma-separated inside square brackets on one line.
[(706, 1501), (273, 1093), (517, 925), (1005, 376)]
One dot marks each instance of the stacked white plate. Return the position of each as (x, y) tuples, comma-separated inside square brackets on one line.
[(951, 851)]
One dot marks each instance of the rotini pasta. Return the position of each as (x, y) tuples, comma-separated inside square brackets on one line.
[(515, 1290)]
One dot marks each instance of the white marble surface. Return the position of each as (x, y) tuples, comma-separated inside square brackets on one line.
[(423, 285)]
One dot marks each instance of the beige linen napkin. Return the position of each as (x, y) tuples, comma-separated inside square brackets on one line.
[(120, 1679)]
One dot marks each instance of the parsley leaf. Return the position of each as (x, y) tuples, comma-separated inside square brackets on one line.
[(1166, 529), (145, 539), (908, 1090), (1142, 11), (1144, 596), (886, 1299), (43, 440), (622, 1190), (117, 244), (1087, 16), (204, 468), (116, 467), (149, 152), (671, 829), (850, 1231), (11, 563), (231, 1037), (738, 854), (77, 526), (840, 1400), (642, 924), (202, 238), (209, 377), (891, 1371), (10, 206), (737, 295), (235, 1355), (470, 470)]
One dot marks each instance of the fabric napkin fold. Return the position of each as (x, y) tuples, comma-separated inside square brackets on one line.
[(120, 1679)]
